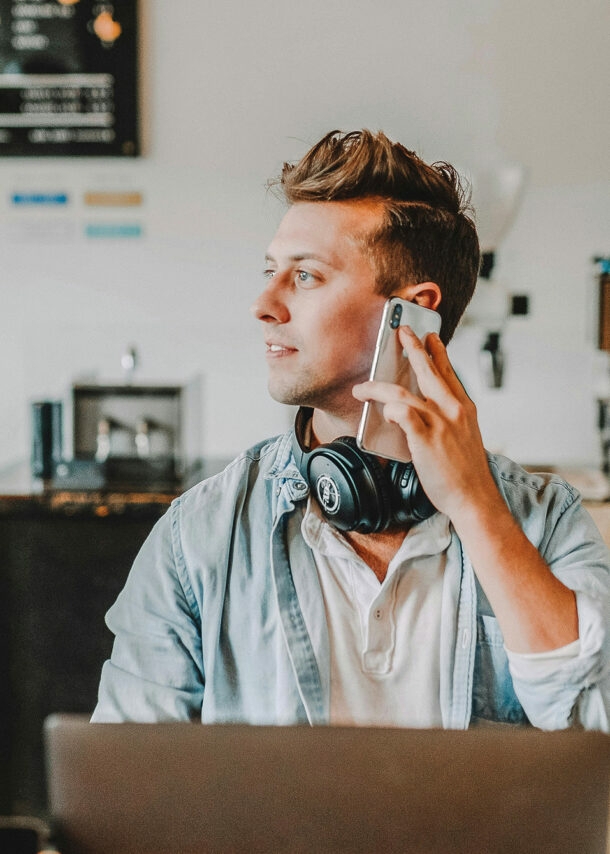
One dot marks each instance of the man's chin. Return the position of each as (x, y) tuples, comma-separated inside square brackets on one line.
[(289, 397), (328, 400)]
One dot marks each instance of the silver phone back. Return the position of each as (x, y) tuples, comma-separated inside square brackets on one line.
[(375, 435)]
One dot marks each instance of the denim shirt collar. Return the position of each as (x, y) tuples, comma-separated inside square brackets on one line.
[(291, 482)]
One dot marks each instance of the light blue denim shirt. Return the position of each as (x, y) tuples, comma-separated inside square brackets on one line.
[(222, 617)]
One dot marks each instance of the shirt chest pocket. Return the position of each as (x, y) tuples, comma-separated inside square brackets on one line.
[(494, 697)]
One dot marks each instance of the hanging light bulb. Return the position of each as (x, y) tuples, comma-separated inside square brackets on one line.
[(106, 28)]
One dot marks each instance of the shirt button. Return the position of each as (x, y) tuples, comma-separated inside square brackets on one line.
[(378, 613)]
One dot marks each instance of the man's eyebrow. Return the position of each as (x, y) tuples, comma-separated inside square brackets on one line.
[(303, 256)]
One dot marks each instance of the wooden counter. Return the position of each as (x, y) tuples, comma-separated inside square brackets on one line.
[(22, 495)]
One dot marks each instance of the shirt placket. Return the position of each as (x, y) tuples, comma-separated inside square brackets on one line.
[(379, 629)]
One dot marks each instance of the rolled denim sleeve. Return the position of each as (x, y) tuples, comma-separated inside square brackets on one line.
[(572, 689), (155, 672)]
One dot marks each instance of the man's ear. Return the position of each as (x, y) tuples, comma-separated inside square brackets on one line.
[(426, 294)]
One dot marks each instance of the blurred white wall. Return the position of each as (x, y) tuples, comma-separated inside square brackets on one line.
[(233, 89)]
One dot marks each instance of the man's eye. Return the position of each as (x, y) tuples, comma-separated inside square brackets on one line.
[(268, 274), (305, 277)]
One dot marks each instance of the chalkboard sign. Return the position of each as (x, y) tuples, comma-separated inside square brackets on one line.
[(68, 78)]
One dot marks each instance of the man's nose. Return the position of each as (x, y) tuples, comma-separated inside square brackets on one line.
[(270, 306)]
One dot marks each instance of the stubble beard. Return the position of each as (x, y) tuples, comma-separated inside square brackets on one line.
[(334, 397)]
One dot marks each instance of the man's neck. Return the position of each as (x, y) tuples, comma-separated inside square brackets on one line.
[(327, 426), (376, 550)]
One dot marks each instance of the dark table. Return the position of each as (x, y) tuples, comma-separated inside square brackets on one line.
[(64, 557)]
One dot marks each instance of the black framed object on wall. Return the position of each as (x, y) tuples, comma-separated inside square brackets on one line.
[(69, 78)]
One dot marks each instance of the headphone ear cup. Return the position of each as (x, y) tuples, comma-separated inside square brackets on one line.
[(375, 496), (409, 501), (354, 490), (351, 487)]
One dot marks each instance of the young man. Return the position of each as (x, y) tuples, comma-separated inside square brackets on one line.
[(247, 604)]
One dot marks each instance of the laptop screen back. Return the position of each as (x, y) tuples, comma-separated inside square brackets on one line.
[(131, 788)]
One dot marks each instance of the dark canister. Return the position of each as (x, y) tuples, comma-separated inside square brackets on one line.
[(47, 437)]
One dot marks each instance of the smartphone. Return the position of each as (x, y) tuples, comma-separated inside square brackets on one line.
[(390, 364)]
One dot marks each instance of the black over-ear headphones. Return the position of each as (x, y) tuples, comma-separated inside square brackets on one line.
[(355, 491)]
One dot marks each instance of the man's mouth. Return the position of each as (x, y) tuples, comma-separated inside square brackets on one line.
[(279, 349)]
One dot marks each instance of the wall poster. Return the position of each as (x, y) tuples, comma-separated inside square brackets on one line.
[(68, 78)]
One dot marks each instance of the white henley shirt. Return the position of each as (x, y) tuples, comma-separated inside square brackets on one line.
[(385, 636)]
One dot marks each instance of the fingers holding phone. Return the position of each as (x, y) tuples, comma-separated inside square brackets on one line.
[(429, 360), (434, 419)]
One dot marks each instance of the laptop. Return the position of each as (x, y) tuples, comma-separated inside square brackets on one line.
[(181, 788)]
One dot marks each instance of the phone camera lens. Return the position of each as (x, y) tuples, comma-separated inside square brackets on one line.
[(395, 318)]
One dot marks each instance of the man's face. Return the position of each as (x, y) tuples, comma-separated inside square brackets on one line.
[(319, 309)]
